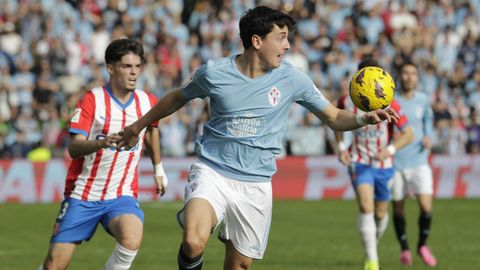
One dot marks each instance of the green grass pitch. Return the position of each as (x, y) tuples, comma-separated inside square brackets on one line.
[(304, 235)]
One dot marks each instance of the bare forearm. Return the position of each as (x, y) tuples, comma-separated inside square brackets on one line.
[(79, 148), (406, 137), (166, 106), (152, 143), (341, 120)]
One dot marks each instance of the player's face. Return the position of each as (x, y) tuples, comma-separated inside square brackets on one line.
[(409, 77), (124, 73), (273, 47)]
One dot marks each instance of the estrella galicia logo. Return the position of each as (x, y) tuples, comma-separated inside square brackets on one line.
[(103, 136)]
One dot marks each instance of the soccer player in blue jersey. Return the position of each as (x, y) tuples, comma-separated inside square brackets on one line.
[(413, 173), (250, 95)]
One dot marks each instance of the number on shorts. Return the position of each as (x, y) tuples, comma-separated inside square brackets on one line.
[(63, 211)]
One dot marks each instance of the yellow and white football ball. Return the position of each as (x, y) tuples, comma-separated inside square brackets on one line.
[(372, 88)]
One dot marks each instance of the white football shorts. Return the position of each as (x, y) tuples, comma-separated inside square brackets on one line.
[(418, 180), (243, 209)]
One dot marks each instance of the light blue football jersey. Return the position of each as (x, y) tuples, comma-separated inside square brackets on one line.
[(420, 118), (248, 116)]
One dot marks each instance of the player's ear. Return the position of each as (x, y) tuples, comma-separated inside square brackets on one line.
[(110, 69), (256, 41)]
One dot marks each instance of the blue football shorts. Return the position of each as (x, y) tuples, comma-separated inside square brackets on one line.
[(78, 220), (376, 177)]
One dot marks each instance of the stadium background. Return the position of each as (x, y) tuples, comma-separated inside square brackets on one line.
[(51, 52)]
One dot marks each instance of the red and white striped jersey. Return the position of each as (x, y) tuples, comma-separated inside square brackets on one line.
[(370, 139), (107, 173)]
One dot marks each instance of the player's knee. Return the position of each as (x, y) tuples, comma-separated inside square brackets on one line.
[(131, 243), (426, 208), (239, 264), (366, 208), (193, 245), (246, 264), (398, 209), (380, 215)]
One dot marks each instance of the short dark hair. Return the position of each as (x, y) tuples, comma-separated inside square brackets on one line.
[(368, 62), (406, 62), (260, 21), (120, 47)]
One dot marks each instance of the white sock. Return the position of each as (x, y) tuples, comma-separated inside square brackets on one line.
[(121, 258), (366, 225), (382, 225)]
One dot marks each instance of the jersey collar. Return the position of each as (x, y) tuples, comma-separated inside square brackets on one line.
[(119, 103)]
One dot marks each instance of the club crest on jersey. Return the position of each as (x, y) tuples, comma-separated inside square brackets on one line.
[(274, 96)]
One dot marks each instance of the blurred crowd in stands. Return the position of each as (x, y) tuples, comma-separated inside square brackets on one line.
[(52, 51)]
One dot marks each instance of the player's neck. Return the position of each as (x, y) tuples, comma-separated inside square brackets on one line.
[(249, 65), (408, 94), (123, 95)]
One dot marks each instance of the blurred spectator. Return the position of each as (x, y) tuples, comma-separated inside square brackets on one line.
[(52, 51), (473, 133), (10, 40), (45, 90), (19, 146), (23, 81), (457, 138), (295, 56), (39, 154), (9, 102)]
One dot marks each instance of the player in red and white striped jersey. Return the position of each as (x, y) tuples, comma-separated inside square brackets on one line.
[(107, 173), (368, 152), (102, 182), (368, 142)]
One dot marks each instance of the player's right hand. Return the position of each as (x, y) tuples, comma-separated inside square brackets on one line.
[(129, 138), (427, 144), (379, 115), (344, 157), (111, 140)]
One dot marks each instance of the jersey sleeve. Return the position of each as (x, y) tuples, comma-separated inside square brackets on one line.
[(199, 86), (308, 94), (153, 100), (82, 119), (402, 121)]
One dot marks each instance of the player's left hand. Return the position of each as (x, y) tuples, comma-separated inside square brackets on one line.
[(161, 183), (161, 180), (344, 157), (379, 115)]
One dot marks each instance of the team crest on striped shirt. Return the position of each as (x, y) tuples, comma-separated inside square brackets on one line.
[(274, 96)]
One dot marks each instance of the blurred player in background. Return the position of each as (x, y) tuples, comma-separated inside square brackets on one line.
[(250, 96), (413, 173), (102, 182), (368, 153)]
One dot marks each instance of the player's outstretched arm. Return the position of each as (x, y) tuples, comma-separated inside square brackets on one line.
[(343, 120), (152, 145), (80, 146), (169, 104)]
